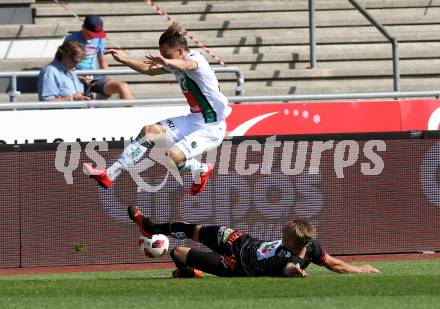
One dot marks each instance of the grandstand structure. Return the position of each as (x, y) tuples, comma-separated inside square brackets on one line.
[(267, 40)]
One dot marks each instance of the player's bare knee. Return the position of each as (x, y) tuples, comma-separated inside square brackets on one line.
[(197, 232), (177, 156), (150, 130), (144, 130), (173, 155), (180, 254)]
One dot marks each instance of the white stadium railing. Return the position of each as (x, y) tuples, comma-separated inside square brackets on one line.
[(13, 93), (236, 99)]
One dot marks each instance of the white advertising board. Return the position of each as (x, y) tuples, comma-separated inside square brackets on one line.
[(29, 126)]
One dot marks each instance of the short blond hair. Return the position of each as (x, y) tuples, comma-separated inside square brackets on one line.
[(174, 37), (72, 49), (299, 230)]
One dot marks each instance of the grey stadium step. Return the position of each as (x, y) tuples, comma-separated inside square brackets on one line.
[(286, 53), (8, 2), (282, 87), (32, 31), (262, 88), (267, 37), (208, 7), (268, 40), (422, 67), (285, 19), (223, 23), (269, 54), (336, 69)]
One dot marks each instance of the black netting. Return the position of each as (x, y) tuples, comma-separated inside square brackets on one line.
[(45, 221)]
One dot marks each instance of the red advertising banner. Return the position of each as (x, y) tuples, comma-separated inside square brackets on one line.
[(420, 115), (36, 126), (334, 117)]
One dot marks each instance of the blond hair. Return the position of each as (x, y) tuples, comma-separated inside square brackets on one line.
[(300, 231), (174, 37), (72, 49)]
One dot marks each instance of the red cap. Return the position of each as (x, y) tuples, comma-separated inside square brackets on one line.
[(94, 26)]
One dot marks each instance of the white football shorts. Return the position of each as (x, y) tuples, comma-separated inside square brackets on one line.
[(192, 135)]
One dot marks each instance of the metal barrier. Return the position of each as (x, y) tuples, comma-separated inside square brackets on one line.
[(236, 99), (363, 11), (393, 41), (13, 93), (312, 34)]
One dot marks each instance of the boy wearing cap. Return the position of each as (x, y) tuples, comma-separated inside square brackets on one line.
[(92, 36)]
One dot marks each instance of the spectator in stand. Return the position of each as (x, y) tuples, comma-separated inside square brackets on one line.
[(58, 80), (92, 36)]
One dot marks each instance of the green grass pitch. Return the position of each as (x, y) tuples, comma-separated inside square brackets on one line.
[(401, 284)]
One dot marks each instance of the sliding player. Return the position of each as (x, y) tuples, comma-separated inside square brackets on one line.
[(238, 254)]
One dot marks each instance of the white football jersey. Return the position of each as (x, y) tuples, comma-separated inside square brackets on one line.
[(202, 90)]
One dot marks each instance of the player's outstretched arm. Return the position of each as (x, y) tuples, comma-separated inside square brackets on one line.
[(136, 65), (340, 266), (177, 64)]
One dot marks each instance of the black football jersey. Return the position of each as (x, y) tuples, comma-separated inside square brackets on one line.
[(259, 258)]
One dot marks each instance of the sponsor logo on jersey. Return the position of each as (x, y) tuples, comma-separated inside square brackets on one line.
[(171, 124), (178, 235), (268, 249), (225, 233)]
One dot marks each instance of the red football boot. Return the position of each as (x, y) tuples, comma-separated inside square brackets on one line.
[(100, 175), (196, 188), (137, 217), (196, 274)]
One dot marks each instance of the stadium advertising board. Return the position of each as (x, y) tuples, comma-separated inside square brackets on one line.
[(366, 194), (245, 120), (420, 115), (334, 117), (29, 126), (314, 118)]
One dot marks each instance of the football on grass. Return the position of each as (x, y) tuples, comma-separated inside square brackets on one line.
[(154, 247)]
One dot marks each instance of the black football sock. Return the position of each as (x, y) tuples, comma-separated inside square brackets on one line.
[(182, 230), (163, 228), (144, 141), (185, 271), (179, 230)]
